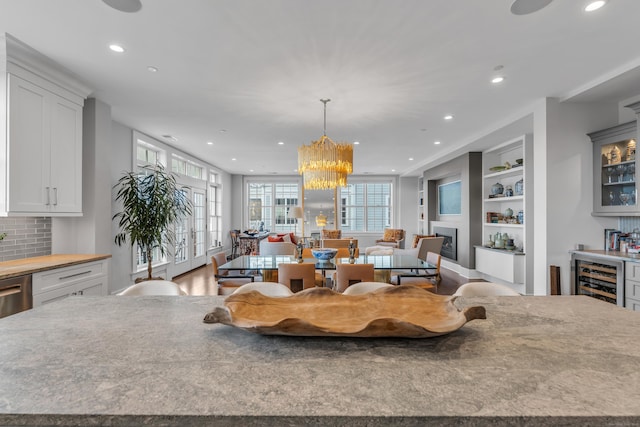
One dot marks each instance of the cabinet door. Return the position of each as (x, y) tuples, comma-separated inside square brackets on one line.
[(92, 287), (614, 165), (29, 119), (66, 156), (52, 296)]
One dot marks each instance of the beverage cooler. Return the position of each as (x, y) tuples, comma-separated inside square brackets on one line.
[(598, 277)]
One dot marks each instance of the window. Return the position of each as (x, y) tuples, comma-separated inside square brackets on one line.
[(268, 206), (187, 168), (366, 207)]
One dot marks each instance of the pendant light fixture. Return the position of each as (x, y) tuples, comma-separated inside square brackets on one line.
[(324, 164)]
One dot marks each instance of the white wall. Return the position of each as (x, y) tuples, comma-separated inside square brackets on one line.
[(563, 194), (407, 207)]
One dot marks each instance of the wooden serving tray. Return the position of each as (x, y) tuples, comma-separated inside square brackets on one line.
[(398, 311)]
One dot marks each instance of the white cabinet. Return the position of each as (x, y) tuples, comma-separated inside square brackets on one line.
[(41, 138), (45, 156), (506, 199), (90, 278), (632, 286)]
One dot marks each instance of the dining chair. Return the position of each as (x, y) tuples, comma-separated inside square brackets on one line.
[(348, 274), (483, 289), (429, 278), (153, 287), (364, 287), (270, 289), (226, 281), (297, 276), (235, 242)]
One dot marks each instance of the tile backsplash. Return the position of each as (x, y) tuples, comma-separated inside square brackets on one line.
[(26, 237)]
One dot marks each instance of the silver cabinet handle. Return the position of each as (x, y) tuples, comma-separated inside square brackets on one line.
[(74, 275), (55, 196), (48, 196)]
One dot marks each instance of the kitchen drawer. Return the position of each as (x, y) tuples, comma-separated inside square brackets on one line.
[(53, 279), (632, 270), (632, 289), (632, 304)]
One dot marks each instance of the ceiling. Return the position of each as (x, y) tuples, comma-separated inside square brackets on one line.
[(247, 74)]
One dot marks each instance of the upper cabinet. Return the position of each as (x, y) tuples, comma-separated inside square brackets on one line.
[(615, 188), (41, 119)]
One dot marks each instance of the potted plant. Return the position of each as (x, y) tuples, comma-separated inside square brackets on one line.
[(151, 204)]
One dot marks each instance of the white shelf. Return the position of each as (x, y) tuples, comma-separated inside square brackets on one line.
[(508, 172), (503, 199), (498, 263)]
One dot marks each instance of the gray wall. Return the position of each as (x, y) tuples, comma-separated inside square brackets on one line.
[(26, 237), (467, 168)]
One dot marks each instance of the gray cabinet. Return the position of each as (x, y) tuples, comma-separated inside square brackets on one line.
[(615, 171), (632, 286)]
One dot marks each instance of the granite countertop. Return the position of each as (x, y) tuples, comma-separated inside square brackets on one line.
[(150, 360), (617, 255), (19, 267)]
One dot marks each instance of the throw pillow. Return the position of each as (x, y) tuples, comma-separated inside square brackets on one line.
[(274, 239), (389, 235)]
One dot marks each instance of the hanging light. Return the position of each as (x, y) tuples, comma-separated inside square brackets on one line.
[(321, 220), (324, 164)]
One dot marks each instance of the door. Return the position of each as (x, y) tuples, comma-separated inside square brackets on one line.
[(190, 235)]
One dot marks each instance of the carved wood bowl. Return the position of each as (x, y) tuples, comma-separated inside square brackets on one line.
[(394, 311)]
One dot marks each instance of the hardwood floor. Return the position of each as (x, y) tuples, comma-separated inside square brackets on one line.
[(200, 281)]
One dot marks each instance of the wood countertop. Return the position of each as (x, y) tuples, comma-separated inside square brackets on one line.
[(150, 360), (19, 267)]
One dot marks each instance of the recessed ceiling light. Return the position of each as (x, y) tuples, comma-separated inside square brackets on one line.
[(410, 158), (250, 170), (209, 142), (170, 138), (116, 48), (280, 143), (152, 69), (436, 142), (233, 159), (448, 117), (393, 170), (223, 130), (525, 7), (498, 79), (594, 5), (128, 6), (356, 142)]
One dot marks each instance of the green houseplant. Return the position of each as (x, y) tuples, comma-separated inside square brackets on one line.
[(152, 202)]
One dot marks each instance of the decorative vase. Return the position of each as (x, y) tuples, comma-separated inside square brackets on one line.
[(496, 189), (520, 187), (521, 217), (508, 191), (508, 212)]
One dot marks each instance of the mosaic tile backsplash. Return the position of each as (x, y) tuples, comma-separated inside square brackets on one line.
[(25, 237)]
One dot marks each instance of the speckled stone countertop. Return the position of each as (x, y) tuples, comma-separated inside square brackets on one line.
[(562, 360), (616, 255), (32, 265)]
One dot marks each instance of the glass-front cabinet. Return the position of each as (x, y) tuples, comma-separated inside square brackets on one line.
[(615, 170)]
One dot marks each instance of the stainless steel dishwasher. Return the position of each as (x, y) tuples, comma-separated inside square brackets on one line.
[(15, 295)]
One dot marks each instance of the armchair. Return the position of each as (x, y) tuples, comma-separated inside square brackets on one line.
[(392, 237)]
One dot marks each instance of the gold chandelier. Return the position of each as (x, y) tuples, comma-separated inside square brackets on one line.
[(325, 164)]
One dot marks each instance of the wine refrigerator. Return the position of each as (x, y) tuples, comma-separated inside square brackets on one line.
[(598, 277)]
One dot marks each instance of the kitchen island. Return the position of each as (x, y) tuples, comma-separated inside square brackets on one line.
[(569, 360)]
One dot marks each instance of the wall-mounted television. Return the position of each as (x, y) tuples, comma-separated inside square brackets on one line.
[(450, 198)]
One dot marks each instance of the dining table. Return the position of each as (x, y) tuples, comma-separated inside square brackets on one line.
[(267, 265)]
